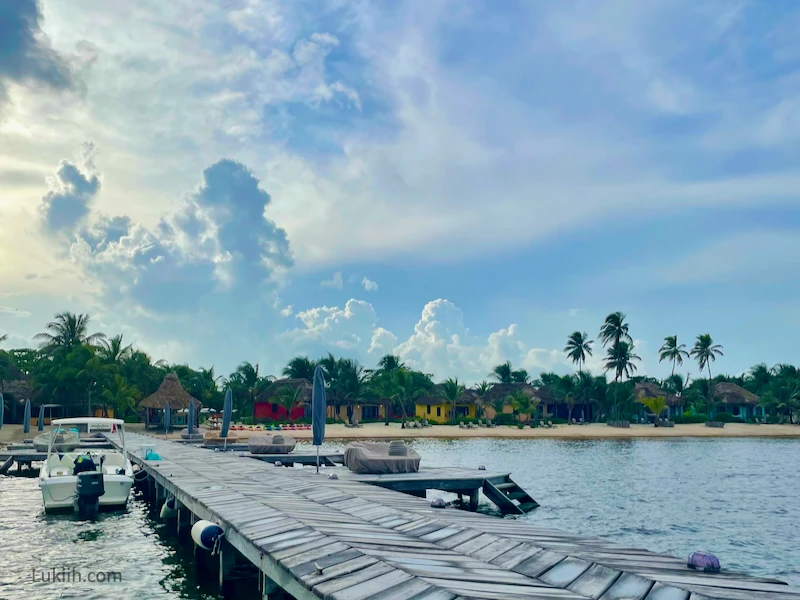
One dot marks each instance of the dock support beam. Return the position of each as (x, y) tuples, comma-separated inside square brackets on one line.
[(474, 497)]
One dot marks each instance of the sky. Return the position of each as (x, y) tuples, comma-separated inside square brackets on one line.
[(458, 183)]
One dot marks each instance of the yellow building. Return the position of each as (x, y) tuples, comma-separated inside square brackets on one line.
[(434, 409)]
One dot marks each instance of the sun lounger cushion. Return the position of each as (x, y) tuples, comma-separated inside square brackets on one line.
[(380, 457), (271, 444)]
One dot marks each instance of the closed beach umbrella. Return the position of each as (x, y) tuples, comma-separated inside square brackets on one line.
[(26, 419), (2, 410), (319, 409), (167, 418), (40, 423), (190, 418), (227, 409)]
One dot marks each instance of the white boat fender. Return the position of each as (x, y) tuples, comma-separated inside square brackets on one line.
[(170, 509), (206, 534)]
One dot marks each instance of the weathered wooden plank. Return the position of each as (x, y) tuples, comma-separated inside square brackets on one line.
[(539, 563), (628, 587), (328, 588), (373, 587), (345, 567), (516, 555), (667, 592), (565, 572)]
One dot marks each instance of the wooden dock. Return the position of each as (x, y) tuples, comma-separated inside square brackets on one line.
[(340, 539)]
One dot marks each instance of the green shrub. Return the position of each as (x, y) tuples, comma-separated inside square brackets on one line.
[(131, 419), (558, 421), (727, 418), (520, 426), (505, 419), (688, 417), (774, 419)]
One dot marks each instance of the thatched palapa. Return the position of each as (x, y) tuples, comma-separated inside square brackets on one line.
[(730, 393), (647, 389), (170, 391)]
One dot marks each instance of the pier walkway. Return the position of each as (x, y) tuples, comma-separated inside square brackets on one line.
[(316, 537)]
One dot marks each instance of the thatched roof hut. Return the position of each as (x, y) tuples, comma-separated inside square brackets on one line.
[(434, 397), (647, 389), (273, 390), (730, 393), (502, 390), (170, 391)]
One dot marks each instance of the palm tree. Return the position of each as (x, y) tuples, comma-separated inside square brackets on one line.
[(505, 373), (705, 351), (615, 329), (656, 405), (521, 403), (3, 337), (251, 382), (300, 367), (619, 358), (67, 331), (502, 372), (390, 362), (672, 350), (352, 384), (451, 391), (288, 397), (578, 347), (569, 400), (406, 391), (120, 395), (113, 350), (480, 392)]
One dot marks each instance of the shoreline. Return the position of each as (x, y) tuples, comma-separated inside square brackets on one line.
[(593, 431)]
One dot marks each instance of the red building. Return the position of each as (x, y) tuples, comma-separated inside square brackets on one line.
[(269, 411)]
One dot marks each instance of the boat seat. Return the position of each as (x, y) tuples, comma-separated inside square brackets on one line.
[(114, 459), (56, 471)]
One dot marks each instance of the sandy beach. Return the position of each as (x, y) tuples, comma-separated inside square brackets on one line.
[(11, 433)]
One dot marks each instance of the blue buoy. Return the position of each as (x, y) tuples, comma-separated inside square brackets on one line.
[(703, 560), (333, 476), (438, 503)]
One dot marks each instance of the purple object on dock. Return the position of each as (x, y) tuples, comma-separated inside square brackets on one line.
[(703, 560)]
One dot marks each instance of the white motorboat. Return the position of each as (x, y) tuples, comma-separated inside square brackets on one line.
[(87, 479), (63, 440)]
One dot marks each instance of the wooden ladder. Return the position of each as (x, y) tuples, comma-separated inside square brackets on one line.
[(509, 497)]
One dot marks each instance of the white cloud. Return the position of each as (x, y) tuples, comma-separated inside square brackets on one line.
[(348, 329), (336, 282), (369, 285), (440, 344), (383, 342)]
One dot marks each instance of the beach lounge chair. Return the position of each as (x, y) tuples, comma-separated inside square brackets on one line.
[(550, 424), (541, 424)]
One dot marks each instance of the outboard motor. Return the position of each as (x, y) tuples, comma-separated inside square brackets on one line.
[(89, 487)]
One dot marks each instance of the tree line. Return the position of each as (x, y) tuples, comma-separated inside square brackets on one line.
[(79, 369)]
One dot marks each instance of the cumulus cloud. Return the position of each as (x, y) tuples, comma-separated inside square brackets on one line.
[(336, 282), (27, 56), (67, 204), (325, 328), (440, 343), (217, 238), (369, 285)]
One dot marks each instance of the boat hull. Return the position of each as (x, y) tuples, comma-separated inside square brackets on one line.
[(58, 493)]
